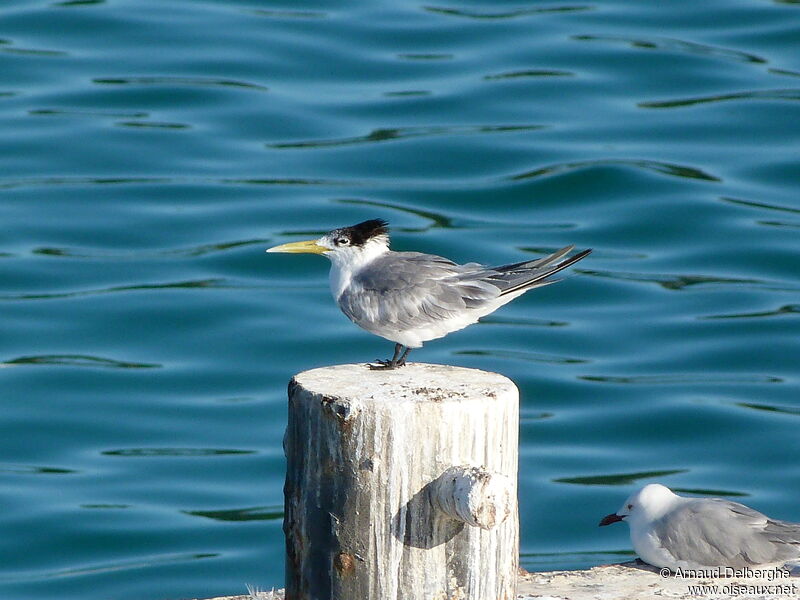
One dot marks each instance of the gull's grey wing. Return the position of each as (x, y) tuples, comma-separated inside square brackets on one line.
[(712, 531), (404, 290), (786, 535)]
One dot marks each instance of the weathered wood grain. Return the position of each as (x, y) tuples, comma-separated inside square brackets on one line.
[(367, 453)]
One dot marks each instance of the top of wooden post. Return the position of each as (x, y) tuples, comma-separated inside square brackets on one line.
[(415, 382)]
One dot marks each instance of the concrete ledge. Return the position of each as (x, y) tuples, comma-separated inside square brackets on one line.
[(633, 580), (636, 580)]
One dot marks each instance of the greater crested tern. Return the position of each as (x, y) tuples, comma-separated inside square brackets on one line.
[(411, 297), (674, 532)]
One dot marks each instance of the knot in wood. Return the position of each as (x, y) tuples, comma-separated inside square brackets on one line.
[(344, 563), (340, 408), (473, 495)]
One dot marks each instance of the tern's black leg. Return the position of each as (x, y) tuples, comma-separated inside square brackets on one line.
[(396, 360), (402, 360)]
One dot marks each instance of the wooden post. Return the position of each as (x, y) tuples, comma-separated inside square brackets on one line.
[(401, 484)]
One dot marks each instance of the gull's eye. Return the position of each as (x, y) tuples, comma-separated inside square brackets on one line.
[(630, 506), (342, 241)]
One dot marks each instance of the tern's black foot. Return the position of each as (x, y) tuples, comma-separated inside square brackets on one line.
[(385, 365), (395, 362)]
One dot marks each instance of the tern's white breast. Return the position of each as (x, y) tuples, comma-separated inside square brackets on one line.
[(347, 262)]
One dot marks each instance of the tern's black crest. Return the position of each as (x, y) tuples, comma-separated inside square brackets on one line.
[(361, 233)]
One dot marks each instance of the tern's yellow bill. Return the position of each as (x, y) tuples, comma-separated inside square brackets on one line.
[(304, 247)]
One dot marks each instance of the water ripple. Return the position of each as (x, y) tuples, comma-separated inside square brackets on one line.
[(289, 14), (76, 360), (754, 204), (785, 410), (522, 322), (436, 219), (256, 513), (682, 379), (88, 113), (795, 225), (175, 452), (398, 133), (42, 181), (152, 125), (782, 94), (199, 250), (526, 417), (283, 181), (407, 93), (674, 45), (578, 553), (786, 309), (508, 14), (68, 3), (201, 283), (158, 560), (183, 81), (79, 181), (446, 222), (7, 47), (619, 478), (426, 56), (527, 356), (663, 168), (34, 470), (529, 73), (785, 72), (680, 282)]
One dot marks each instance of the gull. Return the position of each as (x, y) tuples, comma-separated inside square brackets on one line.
[(674, 532), (411, 297)]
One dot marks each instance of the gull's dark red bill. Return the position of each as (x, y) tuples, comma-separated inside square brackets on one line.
[(609, 519)]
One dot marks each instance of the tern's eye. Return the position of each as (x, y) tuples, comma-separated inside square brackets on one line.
[(342, 241), (630, 506)]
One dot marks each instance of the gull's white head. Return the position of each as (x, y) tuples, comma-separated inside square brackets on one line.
[(645, 506), (347, 246)]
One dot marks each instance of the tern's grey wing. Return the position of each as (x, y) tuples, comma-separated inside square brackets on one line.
[(405, 290), (534, 273), (716, 532), (540, 262)]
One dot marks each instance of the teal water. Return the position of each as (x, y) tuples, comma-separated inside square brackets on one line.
[(152, 149)]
